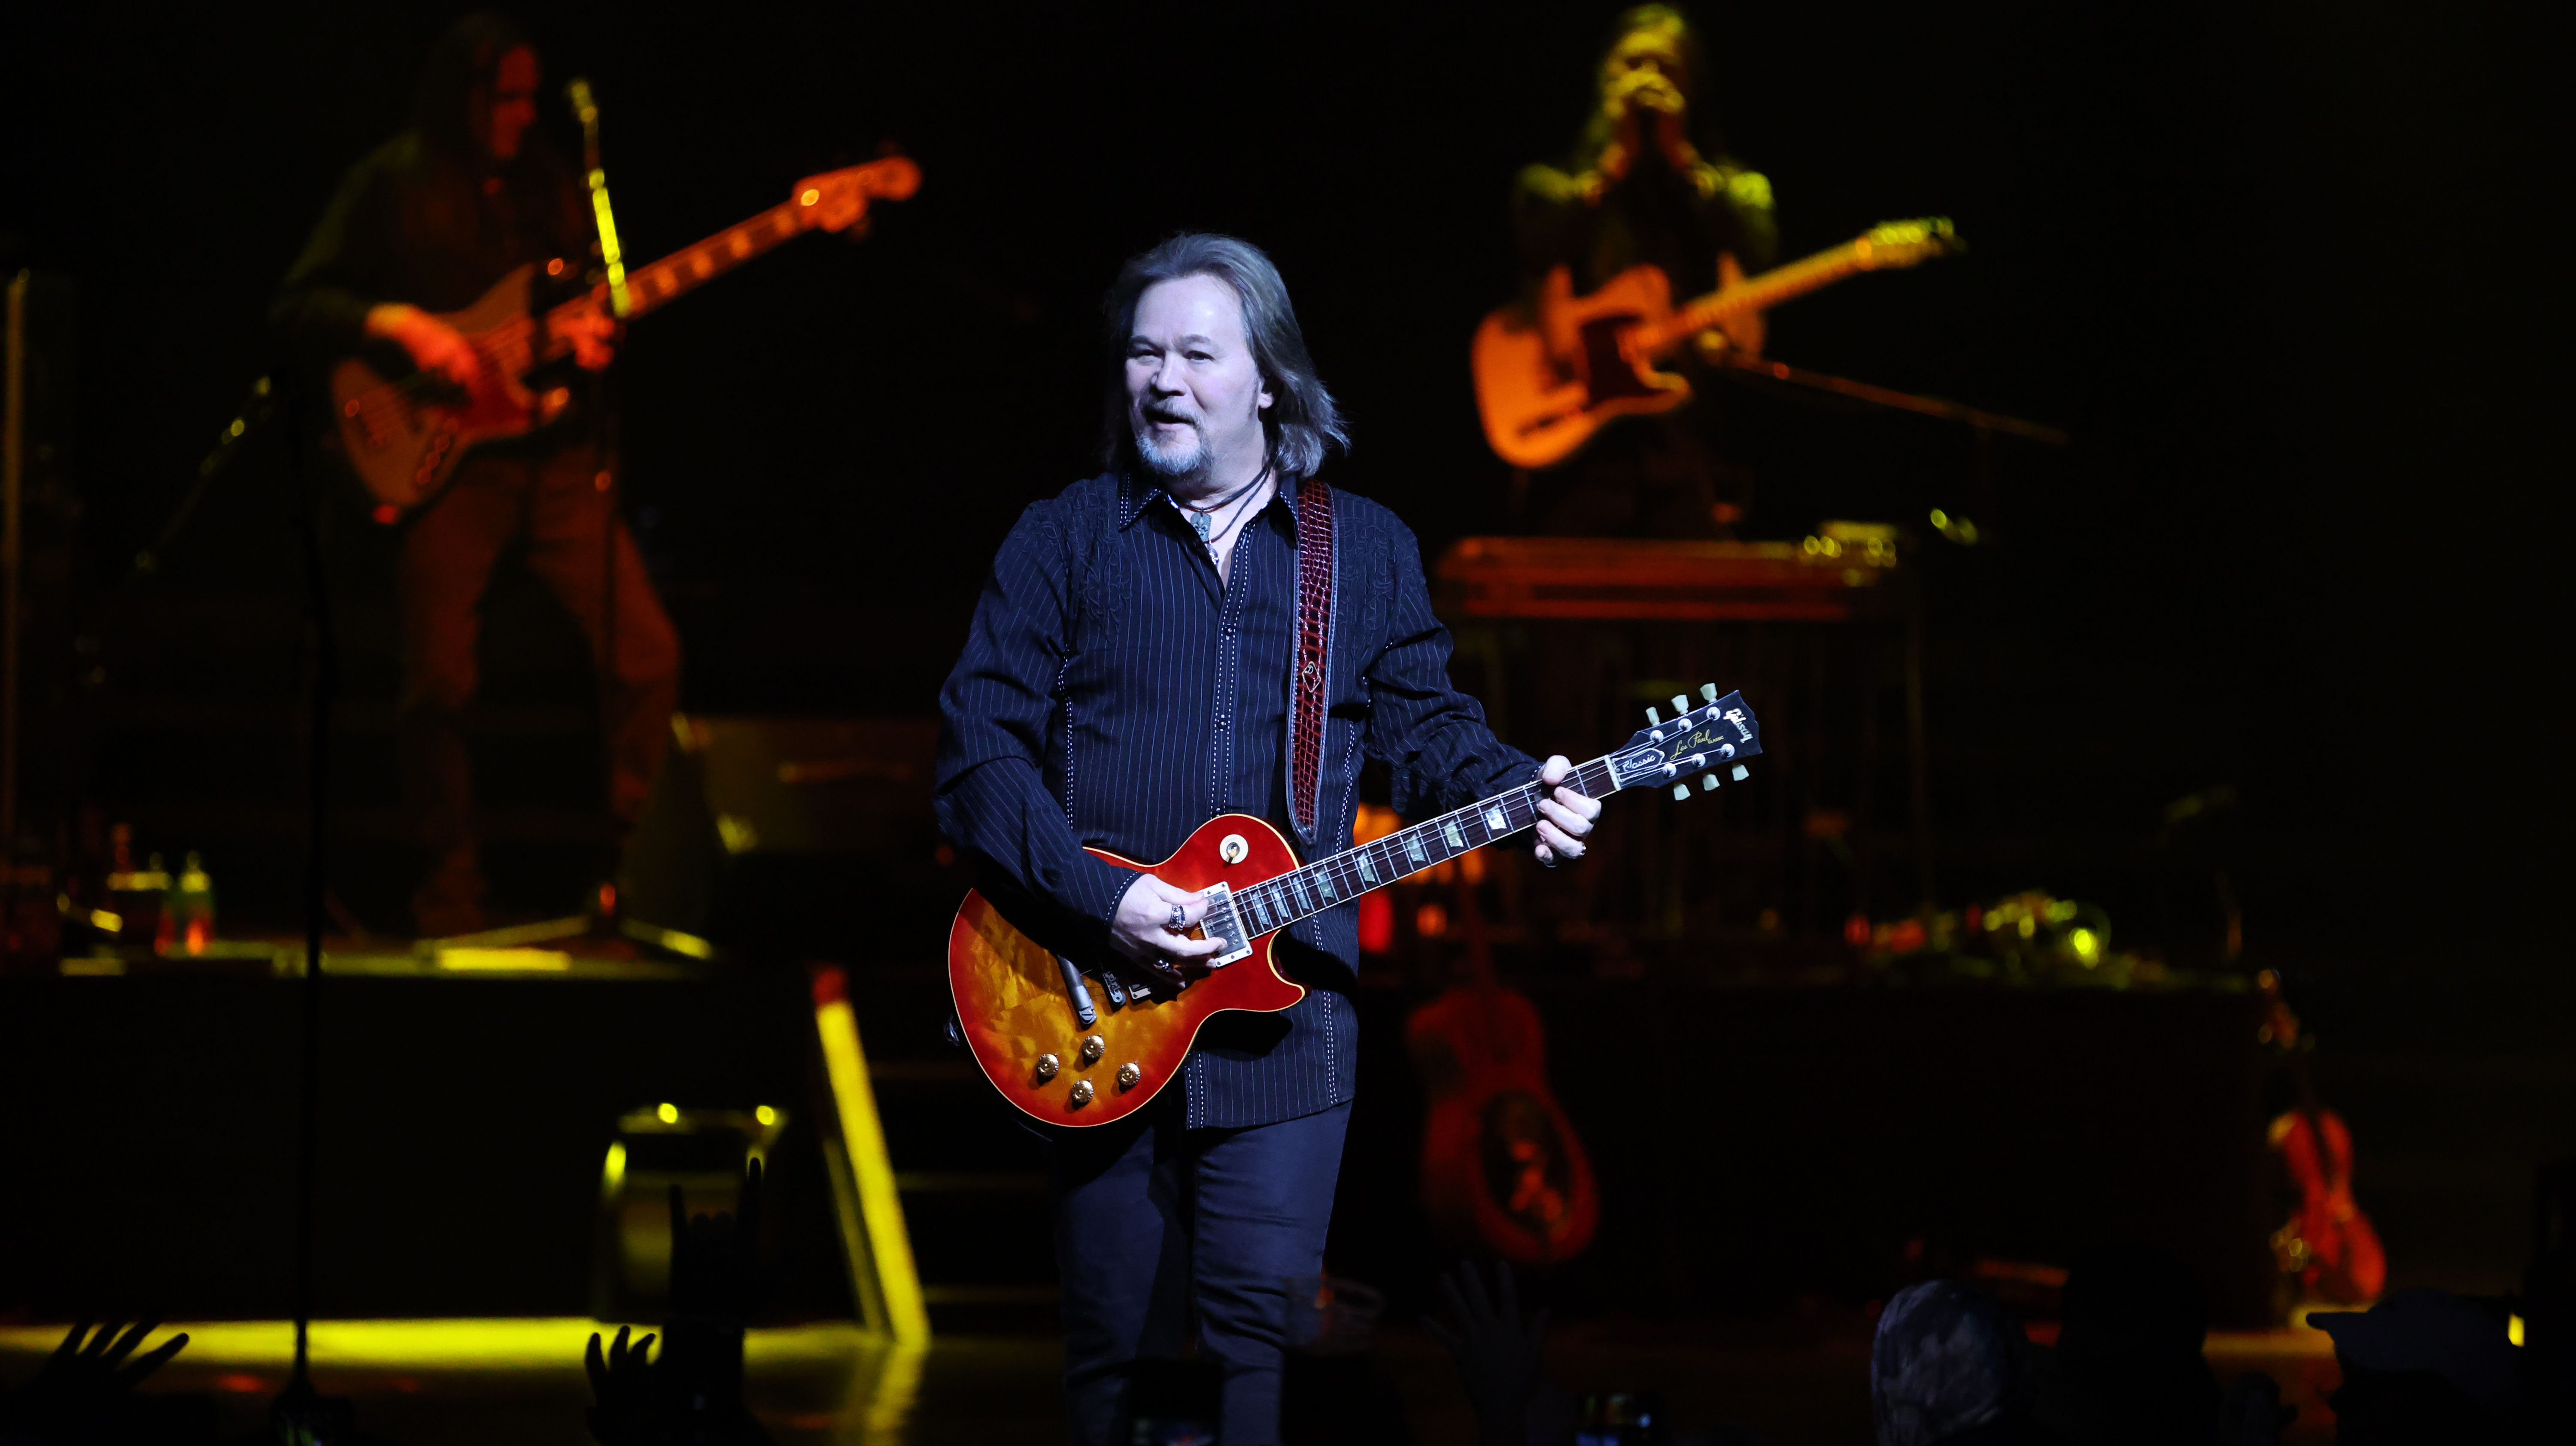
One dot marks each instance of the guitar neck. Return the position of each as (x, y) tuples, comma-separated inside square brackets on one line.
[(1757, 293), (1302, 893), (685, 270)]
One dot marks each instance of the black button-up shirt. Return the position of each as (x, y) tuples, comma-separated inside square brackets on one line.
[(1115, 693)]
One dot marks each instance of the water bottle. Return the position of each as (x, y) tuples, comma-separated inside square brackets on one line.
[(189, 920)]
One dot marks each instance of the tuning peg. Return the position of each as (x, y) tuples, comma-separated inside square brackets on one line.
[(1680, 791), (1654, 717), (1708, 783), (1742, 773), (1680, 703), (1708, 691)]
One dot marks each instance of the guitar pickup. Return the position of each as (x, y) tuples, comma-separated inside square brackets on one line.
[(1221, 923)]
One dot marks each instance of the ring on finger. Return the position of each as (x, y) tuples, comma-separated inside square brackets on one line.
[(1180, 918)]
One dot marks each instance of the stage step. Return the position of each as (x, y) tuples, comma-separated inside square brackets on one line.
[(973, 1180)]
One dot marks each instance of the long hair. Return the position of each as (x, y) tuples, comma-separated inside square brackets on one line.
[(468, 56), (1693, 81), (1302, 422)]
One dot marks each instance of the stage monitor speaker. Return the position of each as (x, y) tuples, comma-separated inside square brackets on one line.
[(781, 838)]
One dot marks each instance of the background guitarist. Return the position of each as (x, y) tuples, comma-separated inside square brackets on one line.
[(428, 223), (1129, 674), (1649, 185)]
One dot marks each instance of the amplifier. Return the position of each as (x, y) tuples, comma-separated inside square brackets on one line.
[(792, 837)]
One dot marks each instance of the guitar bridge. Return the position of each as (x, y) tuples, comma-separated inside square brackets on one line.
[(1221, 923)]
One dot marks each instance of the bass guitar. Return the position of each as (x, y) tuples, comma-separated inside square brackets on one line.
[(404, 436), (1545, 385), (1068, 1043)]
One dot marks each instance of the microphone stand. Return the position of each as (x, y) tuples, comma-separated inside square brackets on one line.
[(302, 1416), (603, 917), (603, 423)]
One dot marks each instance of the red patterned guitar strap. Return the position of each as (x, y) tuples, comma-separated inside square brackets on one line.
[(1311, 669)]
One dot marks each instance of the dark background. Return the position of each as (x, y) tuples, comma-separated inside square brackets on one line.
[(2288, 272)]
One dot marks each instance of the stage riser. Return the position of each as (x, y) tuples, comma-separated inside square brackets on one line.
[(150, 1126)]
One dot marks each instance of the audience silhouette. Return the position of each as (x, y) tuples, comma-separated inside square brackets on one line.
[(85, 1393), (692, 1395)]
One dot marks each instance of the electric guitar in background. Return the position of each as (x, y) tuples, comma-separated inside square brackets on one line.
[(1545, 385), (1501, 1164), (2329, 1246), (1069, 1043), (404, 437)]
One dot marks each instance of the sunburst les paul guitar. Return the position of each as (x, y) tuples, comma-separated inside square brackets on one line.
[(1544, 385), (404, 436), (1072, 1044)]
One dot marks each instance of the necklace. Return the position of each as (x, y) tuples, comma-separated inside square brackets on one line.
[(1203, 521)]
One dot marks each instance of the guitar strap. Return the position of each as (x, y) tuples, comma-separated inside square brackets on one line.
[(1310, 668)]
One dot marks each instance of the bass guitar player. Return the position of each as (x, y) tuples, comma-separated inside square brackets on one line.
[(447, 294), (469, 192)]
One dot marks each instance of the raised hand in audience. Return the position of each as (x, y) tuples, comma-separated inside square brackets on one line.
[(88, 1377), (626, 1394), (1497, 1351)]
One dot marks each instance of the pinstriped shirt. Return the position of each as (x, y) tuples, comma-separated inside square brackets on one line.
[(1116, 693)]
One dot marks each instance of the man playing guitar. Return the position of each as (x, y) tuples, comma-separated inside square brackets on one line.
[(1642, 191), (1205, 628), (428, 223)]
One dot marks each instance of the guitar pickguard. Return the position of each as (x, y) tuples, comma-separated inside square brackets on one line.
[(1610, 372)]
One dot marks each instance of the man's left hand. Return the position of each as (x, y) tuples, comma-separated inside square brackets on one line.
[(590, 332), (1564, 816)]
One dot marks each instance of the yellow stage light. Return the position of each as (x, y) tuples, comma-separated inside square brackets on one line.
[(669, 1114), (880, 1251)]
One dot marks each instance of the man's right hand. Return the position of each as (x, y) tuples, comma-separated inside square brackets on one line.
[(1143, 929), (435, 346)]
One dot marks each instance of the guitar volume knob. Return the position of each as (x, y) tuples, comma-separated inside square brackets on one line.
[(1047, 1066), (1093, 1046), (1128, 1075), (1081, 1093)]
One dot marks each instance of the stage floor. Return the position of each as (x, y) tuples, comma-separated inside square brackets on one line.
[(519, 1382)]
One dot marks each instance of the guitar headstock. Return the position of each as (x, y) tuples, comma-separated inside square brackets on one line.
[(1706, 742), (2280, 1026), (1906, 243), (837, 200)]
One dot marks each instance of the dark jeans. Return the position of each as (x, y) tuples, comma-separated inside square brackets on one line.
[(550, 502), (1155, 1222)]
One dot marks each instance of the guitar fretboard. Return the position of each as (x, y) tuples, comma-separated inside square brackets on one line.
[(1760, 292), (682, 270), (1279, 902)]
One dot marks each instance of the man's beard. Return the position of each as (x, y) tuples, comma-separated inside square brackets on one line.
[(1171, 464)]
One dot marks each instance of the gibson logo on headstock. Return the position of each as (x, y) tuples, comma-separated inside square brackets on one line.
[(1715, 739)]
